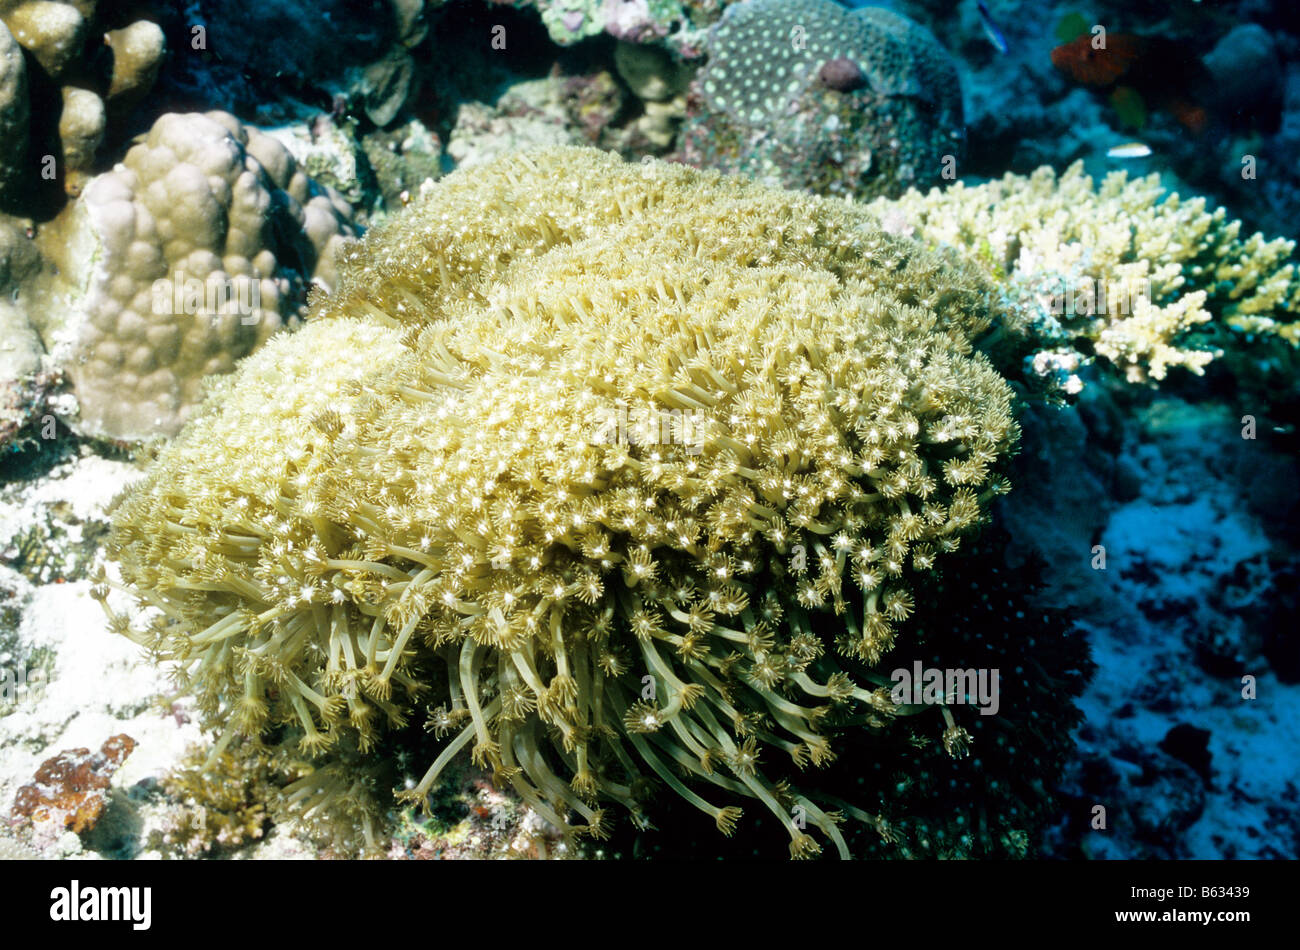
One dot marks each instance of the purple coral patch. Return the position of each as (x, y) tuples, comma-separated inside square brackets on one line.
[(572, 20)]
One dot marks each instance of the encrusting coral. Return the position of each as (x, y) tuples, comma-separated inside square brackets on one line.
[(1138, 272), (218, 809), (430, 485)]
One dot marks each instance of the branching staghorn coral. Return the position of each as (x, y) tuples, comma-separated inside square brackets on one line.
[(1134, 270), (428, 484)]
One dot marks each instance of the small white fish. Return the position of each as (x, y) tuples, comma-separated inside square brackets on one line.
[(1129, 150), (991, 29)]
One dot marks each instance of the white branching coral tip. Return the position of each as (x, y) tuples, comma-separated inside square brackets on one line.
[(1141, 273)]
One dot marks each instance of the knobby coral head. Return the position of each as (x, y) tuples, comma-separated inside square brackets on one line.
[(431, 487)]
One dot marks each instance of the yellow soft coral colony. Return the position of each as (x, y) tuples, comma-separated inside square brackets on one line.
[(635, 462), (1124, 264)]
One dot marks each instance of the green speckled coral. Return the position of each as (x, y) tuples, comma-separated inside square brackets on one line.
[(418, 494), (808, 95)]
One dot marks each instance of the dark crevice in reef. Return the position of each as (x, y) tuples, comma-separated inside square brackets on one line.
[(994, 802)]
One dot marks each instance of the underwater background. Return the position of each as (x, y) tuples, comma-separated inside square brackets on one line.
[(1061, 234)]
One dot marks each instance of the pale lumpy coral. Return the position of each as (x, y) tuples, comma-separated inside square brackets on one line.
[(634, 465), (185, 257), (91, 62), (1144, 275), (14, 110), (21, 381)]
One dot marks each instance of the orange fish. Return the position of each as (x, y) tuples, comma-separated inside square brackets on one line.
[(1099, 67), (1194, 118), (1160, 71)]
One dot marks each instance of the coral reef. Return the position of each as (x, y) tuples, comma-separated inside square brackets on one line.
[(327, 151), (470, 819), (1247, 74), (1022, 112), (991, 804), (64, 682), (303, 53), (651, 72), (21, 353), (809, 95), (15, 109), (639, 21), (1198, 528), (223, 804), (402, 159), (583, 496), (92, 63), (382, 63), (531, 114), (1133, 270), (659, 80), (52, 550), (452, 497), (198, 246)]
